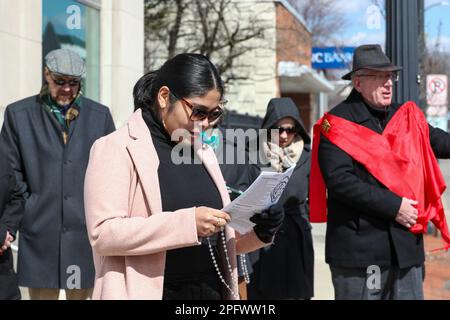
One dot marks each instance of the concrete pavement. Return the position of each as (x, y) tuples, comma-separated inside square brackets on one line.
[(323, 287)]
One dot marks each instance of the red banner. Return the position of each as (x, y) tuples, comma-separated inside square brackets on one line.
[(406, 163)]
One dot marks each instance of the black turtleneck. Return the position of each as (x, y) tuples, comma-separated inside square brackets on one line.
[(380, 115), (184, 186)]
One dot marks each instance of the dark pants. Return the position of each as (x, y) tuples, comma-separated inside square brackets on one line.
[(9, 288), (53, 294), (202, 287), (373, 283)]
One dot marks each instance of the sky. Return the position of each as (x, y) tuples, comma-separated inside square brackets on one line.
[(365, 22), (436, 11), (359, 14)]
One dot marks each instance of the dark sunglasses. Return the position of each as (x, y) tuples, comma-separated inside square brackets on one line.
[(201, 113), (62, 82), (288, 130)]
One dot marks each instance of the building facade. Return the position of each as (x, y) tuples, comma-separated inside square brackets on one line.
[(275, 64)]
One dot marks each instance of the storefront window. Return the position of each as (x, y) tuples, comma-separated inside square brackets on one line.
[(435, 67), (75, 25)]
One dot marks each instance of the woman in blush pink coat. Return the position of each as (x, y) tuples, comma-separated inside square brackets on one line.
[(155, 224)]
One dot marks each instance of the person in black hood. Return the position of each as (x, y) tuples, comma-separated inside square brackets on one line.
[(285, 270)]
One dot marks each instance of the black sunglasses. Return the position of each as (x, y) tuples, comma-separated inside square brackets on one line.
[(62, 82), (288, 130), (201, 113)]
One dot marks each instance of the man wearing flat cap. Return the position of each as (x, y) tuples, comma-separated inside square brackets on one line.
[(48, 137), (377, 161)]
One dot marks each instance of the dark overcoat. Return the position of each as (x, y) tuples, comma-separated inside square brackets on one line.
[(361, 227), (54, 250), (10, 215), (285, 269)]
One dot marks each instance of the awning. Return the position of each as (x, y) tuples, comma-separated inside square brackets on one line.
[(299, 78)]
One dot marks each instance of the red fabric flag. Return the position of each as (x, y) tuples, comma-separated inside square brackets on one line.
[(406, 163)]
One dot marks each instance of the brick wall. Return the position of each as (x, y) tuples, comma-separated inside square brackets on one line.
[(437, 270), (302, 100), (293, 39), (294, 44)]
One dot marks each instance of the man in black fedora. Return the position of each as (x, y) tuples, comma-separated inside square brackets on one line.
[(370, 247)]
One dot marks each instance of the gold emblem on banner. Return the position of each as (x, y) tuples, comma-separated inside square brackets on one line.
[(326, 126)]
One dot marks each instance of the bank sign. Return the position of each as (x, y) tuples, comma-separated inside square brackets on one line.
[(332, 57)]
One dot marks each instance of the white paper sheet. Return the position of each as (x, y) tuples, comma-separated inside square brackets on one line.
[(262, 194)]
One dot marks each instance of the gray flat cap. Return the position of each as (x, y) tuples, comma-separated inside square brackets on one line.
[(65, 62)]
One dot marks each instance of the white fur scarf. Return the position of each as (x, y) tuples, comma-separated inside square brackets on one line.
[(282, 159)]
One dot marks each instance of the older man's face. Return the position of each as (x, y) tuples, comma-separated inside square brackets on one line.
[(375, 87), (63, 90)]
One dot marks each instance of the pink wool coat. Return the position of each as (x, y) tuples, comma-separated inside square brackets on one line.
[(127, 228)]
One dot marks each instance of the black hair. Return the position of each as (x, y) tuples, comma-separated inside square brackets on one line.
[(187, 75)]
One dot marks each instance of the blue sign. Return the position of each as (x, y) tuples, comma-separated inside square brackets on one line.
[(332, 57)]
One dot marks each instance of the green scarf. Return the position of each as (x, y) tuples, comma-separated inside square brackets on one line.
[(55, 109)]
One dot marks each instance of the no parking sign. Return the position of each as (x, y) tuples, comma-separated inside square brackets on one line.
[(437, 89)]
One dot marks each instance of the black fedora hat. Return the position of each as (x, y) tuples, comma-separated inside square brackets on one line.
[(370, 56)]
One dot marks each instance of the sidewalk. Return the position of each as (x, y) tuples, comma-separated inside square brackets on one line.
[(323, 287), (437, 264), (437, 270)]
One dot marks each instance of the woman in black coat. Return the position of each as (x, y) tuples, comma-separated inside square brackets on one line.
[(285, 269), (9, 289)]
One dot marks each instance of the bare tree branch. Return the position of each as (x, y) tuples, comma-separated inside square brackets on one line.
[(210, 27), (174, 32), (322, 19)]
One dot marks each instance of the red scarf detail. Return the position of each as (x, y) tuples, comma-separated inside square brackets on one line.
[(401, 158)]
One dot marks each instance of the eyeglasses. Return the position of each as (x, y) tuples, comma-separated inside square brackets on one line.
[(62, 82), (201, 113), (288, 130), (382, 77)]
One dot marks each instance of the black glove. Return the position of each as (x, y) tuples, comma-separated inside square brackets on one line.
[(267, 223)]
